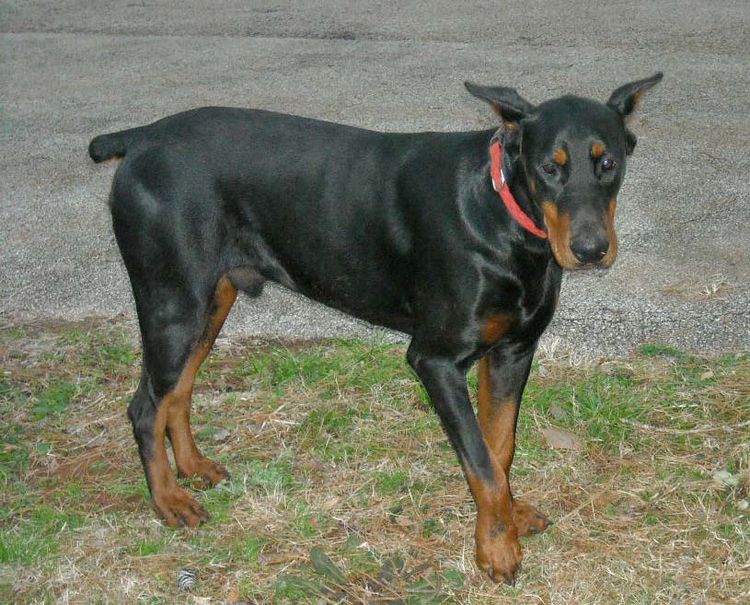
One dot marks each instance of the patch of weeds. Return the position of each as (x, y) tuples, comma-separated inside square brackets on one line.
[(37, 536), (327, 422), (54, 400), (14, 451), (307, 523), (279, 366), (129, 490), (277, 473), (651, 519), (660, 350), (147, 547), (391, 482), (434, 589), (219, 500), (432, 527), (377, 365), (329, 431), (359, 365), (74, 491), (596, 401), (296, 589), (111, 357), (248, 549)]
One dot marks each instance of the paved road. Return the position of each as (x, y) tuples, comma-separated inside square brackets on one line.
[(71, 69)]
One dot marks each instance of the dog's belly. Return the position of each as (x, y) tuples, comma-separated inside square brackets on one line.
[(362, 283)]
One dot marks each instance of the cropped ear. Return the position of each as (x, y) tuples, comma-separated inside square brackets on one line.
[(506, 102), (625, 99)]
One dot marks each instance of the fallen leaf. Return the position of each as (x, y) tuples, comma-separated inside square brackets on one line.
[(560, 439), (221, 435), (331, 503), (402, 521), (726, 479), (557, 412), (325, 567)]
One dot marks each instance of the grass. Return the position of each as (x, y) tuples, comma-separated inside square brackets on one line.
[(344, 489)]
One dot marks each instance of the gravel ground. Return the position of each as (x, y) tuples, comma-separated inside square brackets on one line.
[(74, 69)]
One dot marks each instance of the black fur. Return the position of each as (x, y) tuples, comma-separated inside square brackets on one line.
[(402, 230)]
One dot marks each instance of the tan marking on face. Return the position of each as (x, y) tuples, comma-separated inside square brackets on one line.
[(597, 150), (611, 255), (495, 327), (560, 157), (558, 230), (532, 186)]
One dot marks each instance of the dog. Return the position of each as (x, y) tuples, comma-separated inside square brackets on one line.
[(456, 239)]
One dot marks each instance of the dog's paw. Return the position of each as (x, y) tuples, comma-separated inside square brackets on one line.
[(202, 472), (528, 520), (499, 556), (179, 509)]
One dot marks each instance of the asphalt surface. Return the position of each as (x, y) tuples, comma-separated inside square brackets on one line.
[(73, 69)]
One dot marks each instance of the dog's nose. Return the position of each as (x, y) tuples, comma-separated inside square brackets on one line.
[(589, 249)]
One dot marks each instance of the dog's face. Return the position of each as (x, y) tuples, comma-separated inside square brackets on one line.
[(571, 152)]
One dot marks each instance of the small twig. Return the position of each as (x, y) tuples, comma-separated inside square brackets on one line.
[(580, 507), (104, 420), (704, 429)]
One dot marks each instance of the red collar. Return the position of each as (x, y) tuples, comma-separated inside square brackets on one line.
[(501, 186)]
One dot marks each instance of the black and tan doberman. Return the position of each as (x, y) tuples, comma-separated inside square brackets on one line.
[(457, 239)]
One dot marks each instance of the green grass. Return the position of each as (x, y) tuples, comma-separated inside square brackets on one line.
[(344, 487), (36, 535)]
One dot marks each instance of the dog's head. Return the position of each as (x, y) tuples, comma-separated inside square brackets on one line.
[(571, 153)]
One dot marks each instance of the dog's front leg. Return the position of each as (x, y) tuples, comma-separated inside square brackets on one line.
[(503, 373), (497, 549)]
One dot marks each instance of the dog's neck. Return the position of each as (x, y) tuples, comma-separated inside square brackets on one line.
[(514, 174)]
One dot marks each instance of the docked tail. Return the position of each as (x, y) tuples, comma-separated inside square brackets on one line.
[(112, 145)]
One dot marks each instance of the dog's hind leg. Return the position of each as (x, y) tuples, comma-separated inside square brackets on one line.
[(178, 332), (190, 462), (174, 248)]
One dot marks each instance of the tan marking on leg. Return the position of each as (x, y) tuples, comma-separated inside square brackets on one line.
[(611, 255), (189, 460), (495, 327), (558, 229), (560, 156), (498, 551), (597, 150), (498, 420), (174, 504)]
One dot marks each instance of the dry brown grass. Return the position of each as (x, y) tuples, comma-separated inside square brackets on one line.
[(344, 490)]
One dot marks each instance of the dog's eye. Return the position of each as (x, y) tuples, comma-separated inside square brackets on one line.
[(549, 169), (608, 164)]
